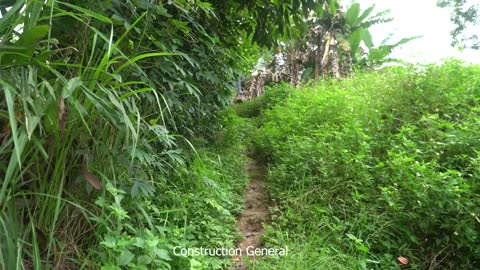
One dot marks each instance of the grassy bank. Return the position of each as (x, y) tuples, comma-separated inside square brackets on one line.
[(368, 169)]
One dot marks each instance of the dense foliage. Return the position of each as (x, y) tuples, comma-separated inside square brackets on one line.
[(102, 104), (367, 169), (115, 145)]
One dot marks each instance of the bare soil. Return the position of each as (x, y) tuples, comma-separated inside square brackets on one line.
[(255, 214)]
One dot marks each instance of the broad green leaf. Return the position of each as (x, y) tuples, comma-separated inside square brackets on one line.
[(206, 7), (366, 13), (351, 17), (110, 241), (117, 19), (378, 54), (367, 38), (162, 254), (319, 11), (73, 84), (110, 267), (355, 39), (363, 248), (143, 4), (125, 257), (354, 238), (195, 265), (25, 46), (381, 52), (405, 40), (332, 6), (32, 35), (144, 259)]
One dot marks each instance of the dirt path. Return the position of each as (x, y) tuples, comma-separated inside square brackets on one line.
[(255, 213)]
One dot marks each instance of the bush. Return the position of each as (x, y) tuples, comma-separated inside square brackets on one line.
[(255, 107)]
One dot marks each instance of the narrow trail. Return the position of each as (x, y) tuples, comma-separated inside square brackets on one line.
[(255, 213)]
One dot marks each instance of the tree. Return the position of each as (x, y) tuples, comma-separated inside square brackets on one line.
[(465, 17), (329, 43)]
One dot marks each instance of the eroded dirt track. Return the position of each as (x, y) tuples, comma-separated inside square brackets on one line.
[(255, 213)]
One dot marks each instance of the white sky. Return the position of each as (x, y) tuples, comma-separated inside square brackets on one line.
[(418, 17)]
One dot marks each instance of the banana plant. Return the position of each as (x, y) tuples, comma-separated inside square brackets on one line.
[(340, 39), (356, 28), (332, 43), (357, 25)]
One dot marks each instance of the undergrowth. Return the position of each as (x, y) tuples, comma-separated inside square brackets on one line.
[(196, 207), (376, 167)]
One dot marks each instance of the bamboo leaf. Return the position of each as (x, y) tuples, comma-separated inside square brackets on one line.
[(135, 92), (9, 92), (88, 13), (142, 56)]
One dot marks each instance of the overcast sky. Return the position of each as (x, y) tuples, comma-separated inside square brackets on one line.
[(418, 17)]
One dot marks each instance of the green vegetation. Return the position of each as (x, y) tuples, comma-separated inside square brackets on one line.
[(382, 165), (101, 111), (117, 142)]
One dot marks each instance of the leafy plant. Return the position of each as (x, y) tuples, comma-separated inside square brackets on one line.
[(101, 101)]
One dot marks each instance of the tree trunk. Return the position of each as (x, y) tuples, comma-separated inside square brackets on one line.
[(349, 64), (318, 56), (326, 54), (335, 62)]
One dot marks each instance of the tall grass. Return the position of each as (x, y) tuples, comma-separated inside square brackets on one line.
[(59, 118), (92, 143)]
